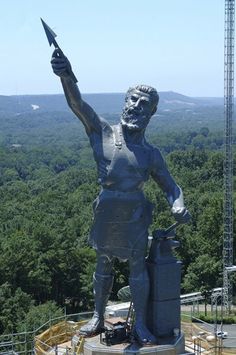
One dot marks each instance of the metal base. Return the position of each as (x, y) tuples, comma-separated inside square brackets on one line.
[(92, 346)]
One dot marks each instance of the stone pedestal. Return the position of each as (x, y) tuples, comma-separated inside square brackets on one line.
[(92, 346)]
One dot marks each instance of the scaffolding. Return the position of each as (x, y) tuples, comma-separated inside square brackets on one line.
[(228, 161)]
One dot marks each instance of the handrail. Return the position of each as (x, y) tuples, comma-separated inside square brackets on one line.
[(9, 342)]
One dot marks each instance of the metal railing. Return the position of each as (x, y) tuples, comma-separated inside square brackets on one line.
[(24, 342)]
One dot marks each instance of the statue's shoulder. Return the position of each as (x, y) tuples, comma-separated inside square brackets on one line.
[(155, 154), (107, 128), (104, 132), (150, 148)]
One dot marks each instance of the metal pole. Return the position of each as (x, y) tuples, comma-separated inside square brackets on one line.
[(228, 161)]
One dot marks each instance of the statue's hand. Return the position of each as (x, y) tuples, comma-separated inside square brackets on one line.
[(181, 214), (60, 64)]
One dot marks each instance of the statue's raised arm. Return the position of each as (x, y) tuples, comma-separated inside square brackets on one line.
[(62, 67)]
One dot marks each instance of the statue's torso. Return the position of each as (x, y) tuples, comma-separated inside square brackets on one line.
[(121, 166), (121, 212)]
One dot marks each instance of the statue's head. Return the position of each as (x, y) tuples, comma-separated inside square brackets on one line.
[(140, 104)]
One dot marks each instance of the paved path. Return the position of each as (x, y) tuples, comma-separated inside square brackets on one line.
[(230, 329)]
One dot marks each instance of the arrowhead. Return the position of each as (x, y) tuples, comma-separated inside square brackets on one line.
[(49, 33)]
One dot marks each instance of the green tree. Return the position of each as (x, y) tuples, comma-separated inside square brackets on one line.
[(39, 315), (14, 305), (202, 274)]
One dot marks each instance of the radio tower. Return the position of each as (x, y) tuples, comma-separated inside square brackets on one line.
[(228, 161)]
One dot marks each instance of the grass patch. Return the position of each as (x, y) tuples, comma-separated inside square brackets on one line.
[(186, 317), (231, 319)]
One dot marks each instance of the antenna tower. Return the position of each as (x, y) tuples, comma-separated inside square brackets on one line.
[(228, 160)]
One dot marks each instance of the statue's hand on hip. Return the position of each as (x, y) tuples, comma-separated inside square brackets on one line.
[(181, 214), (60, 64)]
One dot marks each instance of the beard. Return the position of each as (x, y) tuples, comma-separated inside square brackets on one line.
[(133, 120)]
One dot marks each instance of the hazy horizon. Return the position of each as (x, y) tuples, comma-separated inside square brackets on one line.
[(113, 93), (115, 45)]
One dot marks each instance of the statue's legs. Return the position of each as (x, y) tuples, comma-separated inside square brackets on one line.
[(102, 286), (139, 287)]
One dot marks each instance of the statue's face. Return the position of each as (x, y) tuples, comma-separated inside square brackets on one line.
[(137, 111)]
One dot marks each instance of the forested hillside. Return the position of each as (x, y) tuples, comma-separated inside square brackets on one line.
[(47, 185)]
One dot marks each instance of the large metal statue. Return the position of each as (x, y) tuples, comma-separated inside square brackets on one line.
[(122, 214)]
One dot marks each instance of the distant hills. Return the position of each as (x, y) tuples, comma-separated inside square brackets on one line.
[(111, 103)]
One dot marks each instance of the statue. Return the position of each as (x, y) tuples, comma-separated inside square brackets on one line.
[(122, 214)]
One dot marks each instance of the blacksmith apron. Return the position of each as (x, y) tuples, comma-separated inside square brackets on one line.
[(122, 218)]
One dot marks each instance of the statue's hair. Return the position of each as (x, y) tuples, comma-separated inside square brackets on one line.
[(147, 90)]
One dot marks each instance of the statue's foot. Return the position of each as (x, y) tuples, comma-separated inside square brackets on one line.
[(93, 327), (143, 336)]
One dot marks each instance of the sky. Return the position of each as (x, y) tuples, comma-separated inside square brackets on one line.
[(174, 45)]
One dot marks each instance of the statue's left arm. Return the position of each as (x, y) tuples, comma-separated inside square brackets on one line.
[(173, 192)]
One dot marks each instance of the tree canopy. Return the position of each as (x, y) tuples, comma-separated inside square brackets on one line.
[(47, 185)]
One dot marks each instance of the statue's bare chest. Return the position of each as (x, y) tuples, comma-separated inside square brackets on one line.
[(120, 162)]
